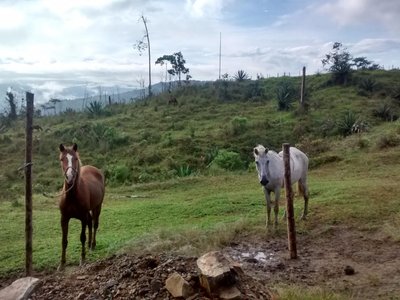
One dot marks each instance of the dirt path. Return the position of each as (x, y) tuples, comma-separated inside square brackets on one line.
[(322, 263)]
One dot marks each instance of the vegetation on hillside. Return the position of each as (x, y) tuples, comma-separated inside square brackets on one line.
[(214, 127)]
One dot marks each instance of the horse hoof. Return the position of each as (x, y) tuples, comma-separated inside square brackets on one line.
[(60, 268)]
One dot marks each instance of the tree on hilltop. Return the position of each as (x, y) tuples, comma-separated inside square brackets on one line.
[(177, 62)]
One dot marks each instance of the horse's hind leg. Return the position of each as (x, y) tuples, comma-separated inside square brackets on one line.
[(304, 189), (83, 240), (95, 215)]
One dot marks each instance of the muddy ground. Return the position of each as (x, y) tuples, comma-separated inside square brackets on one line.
[(327, 262)]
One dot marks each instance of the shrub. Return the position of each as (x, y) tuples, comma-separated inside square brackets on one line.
[(345, 124), (313, 147), (118, 174), (210, 155), (228, 160), (388, 140), (284, 94), (95, 108), (395, 93), (239, 125), (184, 171), (384, 112), (368, 84)]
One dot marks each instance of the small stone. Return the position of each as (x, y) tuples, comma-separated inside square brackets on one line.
[(349, 270), (20, 289), (230, 293), (178, 287)]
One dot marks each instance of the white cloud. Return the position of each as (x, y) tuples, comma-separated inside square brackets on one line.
[(11, 18), (205, 8), (359, 12)]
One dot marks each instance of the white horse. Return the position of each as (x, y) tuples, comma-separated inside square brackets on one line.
[(270, 169)]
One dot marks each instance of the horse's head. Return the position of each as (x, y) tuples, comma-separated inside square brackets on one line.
[(261, 159), (69, 159)]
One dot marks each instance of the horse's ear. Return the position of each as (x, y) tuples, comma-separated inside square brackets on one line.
[(75, 147), (62, 148), (255, 151)]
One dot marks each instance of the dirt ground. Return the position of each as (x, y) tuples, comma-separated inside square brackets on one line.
[(327, 262)]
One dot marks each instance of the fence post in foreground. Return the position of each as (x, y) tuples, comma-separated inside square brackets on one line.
[(289, 203), (28, 184)]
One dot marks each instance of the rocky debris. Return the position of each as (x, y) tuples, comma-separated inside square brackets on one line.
[(178, 286), (138, 277), (219, 275), (20, 289)]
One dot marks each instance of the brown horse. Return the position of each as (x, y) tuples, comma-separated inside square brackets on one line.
[(81, 198)]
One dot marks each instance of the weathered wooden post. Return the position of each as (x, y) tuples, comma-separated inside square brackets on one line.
[(289, 203), (28, 184), (303, 88)]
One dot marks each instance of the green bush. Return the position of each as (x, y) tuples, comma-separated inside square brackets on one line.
[(118, 174), (210, 155), (228, 160), (239, 125)]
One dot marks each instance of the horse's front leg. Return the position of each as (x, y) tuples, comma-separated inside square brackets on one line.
[(90, 226), (268, 202), (64, 242), (83, 240)]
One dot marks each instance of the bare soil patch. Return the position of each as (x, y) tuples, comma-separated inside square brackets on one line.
[(323, 262)]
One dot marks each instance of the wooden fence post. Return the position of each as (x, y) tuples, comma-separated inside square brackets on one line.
[(303, 88), (289, 203), (28, 184)]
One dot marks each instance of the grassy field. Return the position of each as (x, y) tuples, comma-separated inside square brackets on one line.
[(361, 191)]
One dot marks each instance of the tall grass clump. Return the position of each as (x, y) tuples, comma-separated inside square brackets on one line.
[(95, 108), (345, 123), (385, 112), (285, 94)]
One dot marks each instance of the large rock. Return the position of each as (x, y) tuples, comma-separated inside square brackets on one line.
[(217, 272), (20, 289), (178, 286)]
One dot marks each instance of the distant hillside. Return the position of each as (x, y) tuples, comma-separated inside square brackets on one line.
[(213, 128), (74, 97)]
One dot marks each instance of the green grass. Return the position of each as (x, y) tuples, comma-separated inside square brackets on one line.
[(201, 211), (201, 206)]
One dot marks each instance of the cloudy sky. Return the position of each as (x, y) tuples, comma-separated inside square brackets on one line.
[(53, 45)]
